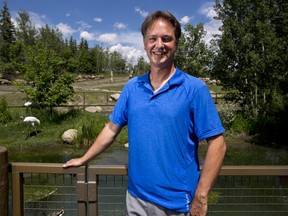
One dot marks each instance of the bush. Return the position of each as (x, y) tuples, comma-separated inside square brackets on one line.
[(241, 124), (271, 126), (89, 128), (5, 115)]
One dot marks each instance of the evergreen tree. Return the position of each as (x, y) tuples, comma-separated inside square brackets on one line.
[(7, 38), (7, 28)]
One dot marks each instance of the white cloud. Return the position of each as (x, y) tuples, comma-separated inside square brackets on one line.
[(141, 12), (83, 25), (87, 36), (65, 29), (131, 54), (119, 25), (109, 38), (67, 14), (184, 20), (37, 20), (98, 19), (212, 26)]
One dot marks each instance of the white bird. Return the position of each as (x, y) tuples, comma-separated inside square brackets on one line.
[(28, 103), (32, 121)]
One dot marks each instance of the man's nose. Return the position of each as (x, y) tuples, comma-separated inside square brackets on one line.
[(159, 43)]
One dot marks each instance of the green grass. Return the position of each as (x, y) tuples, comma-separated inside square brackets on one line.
[(14, 133)]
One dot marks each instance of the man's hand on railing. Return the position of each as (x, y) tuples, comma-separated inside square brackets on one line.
[(76, 162)]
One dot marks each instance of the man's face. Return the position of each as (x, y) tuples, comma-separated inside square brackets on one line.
[(160, 43)]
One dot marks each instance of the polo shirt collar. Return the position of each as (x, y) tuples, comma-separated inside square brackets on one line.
[(176, 79)]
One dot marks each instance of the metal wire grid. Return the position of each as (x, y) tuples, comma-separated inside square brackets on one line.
[(249, 196), (231, 195), (111, 195), (47, 193)]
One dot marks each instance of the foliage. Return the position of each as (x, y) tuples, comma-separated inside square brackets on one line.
[(89, 128), (26, 31), (241, 124), (252, 57), (272, 128), (141, 67), (7, 28), (5, 115), (228, 113), (44, 69), (193, 55)]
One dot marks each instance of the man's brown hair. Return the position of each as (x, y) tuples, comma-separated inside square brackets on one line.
[(150, 19)]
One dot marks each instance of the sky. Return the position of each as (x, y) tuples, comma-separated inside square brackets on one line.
[(112, 24)]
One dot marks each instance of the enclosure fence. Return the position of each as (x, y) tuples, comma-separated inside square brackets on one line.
[(43, 188)]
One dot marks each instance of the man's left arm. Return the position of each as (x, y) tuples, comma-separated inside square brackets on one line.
[(211, 167)]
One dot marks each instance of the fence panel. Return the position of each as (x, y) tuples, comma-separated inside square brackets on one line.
[(40, 189)]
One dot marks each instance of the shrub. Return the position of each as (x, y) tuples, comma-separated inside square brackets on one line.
[(5, 115), (89, 128), (241, 124)]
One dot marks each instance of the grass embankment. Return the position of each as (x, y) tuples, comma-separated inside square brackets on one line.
[(13, 134)]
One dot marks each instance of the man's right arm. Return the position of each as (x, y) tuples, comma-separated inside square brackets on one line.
[(102, 142)]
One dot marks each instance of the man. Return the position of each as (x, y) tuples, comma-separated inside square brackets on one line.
[(167, 112)]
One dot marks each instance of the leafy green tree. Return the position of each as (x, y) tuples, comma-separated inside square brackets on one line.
[(69, 54), (98, 58), (252, 58), (51, 86), (25, 31), (141, 67), (52, 38), (117, 62), (193, 55)]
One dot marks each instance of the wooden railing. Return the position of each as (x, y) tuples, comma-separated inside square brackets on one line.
[(96, 190)]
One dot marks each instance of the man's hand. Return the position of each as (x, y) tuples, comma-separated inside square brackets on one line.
[(199, 205), (76, 162)]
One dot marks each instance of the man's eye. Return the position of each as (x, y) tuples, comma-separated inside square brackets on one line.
[(167, 39), (152, 39)]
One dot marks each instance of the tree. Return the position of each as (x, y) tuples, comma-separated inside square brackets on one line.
[(84, 57), (26, 31), (51, 86), (141, 67), (7, 28), (193, 54), (98, 59), (117, 62), (52, 38), (7, 38), (252, 58)]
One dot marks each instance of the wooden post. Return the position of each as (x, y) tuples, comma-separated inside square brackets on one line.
[(4, 181)]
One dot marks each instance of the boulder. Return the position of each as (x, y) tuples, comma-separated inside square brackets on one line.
[(93, 109), (115, 96), (69, 135)]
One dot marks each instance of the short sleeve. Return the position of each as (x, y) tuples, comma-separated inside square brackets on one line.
[(206, 118)]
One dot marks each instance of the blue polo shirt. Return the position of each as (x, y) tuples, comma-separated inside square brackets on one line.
[(164, 129)]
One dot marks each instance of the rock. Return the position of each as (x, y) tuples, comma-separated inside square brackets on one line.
[(69, 135), (115, 96), (93, 109), (5, 82)]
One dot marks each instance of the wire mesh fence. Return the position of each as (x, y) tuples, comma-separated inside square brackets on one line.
[(48, 193), (233, 193), (111, 195), (249, 195)]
